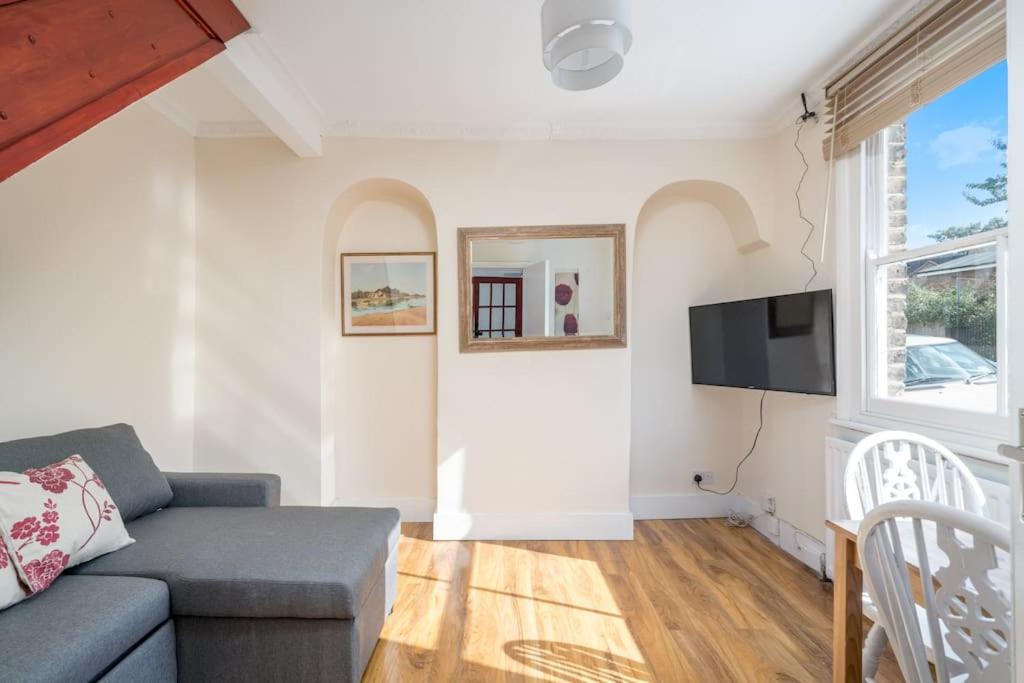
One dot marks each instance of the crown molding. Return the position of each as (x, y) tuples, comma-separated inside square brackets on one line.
[(233, 129), (542, 131), (368, 130)]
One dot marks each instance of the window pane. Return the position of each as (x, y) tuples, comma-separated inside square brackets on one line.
[(510, 295), (496, 319), (485, 293), (947, 164), (484, 319), (939, 316), (496, 295), (510, 318)]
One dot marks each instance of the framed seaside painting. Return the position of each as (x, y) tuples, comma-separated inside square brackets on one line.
[(385, 294)]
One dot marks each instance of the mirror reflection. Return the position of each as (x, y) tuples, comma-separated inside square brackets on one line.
[(548, 287)]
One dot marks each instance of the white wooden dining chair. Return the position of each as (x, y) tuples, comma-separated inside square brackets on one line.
[(890, 466), (968, 616), (893, 465)]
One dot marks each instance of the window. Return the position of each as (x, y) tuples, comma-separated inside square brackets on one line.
[(934, 255)]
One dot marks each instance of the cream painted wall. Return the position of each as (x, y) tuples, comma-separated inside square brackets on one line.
[(790, 462), (385, 407), (685, 255), (550, 453), (97, 287)]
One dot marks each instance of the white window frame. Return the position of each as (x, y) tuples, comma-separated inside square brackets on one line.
[(860, 220)]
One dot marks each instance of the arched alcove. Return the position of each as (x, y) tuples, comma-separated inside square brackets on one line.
[(691, 237), (748, 235), (378, 394)]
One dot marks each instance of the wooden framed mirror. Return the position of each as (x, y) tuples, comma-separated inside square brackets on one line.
[(545, 287)]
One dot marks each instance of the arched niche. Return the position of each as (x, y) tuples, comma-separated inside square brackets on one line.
[(378, 394), (748, 235), (690, 245)]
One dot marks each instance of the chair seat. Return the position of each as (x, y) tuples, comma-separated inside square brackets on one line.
[(283, 562), (79, 627)]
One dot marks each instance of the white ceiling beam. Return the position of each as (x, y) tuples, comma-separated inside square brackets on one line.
[(251, 71)]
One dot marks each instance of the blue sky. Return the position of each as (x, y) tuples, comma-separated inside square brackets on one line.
[(408, 277), (949, 144)]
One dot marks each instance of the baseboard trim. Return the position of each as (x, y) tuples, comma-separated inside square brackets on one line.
[(793, 540), (683, 506), (568, 526), (411, 509)]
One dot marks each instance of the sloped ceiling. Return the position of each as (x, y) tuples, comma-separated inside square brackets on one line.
[(66, 65)]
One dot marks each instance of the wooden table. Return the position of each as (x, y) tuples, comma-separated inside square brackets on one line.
[(848, 591)]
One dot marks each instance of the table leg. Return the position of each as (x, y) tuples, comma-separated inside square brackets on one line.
[(847, 614)]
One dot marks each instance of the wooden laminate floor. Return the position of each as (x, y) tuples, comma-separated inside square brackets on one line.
[(688, 600)]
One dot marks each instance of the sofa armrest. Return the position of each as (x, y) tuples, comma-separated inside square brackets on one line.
[(203, 489)]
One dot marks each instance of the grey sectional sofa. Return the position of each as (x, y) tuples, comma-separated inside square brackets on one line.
[(222, 583)]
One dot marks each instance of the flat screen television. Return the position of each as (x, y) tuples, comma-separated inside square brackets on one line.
[(779, 343)]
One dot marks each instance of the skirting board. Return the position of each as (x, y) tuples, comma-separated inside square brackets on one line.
[(684, 506), (411, 509), (796, 542), (569, 526)]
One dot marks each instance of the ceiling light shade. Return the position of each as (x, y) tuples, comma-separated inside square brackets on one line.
[(585, 41)]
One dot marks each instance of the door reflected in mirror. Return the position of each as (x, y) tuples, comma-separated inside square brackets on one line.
[(542, 287)]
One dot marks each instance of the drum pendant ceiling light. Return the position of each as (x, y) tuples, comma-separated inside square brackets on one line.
[(585, 41)]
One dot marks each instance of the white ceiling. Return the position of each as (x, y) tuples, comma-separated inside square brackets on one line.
[(473, 67)]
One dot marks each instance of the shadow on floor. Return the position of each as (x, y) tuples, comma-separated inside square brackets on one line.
[(574, 663)]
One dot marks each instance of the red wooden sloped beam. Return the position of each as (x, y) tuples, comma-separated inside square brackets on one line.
[(66, 65), (222, 18)]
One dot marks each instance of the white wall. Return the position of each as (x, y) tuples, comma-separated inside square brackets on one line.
[(97, 287), (385, 406), (550, 454), (685, 255), (790, 462), (559, 452)]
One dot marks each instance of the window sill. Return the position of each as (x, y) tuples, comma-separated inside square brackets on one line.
[(978, 447)]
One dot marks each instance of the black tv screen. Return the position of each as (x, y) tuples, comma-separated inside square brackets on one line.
[(779, 343)]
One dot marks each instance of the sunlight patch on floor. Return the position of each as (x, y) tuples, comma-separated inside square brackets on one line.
[(423, 591), (547, 616)]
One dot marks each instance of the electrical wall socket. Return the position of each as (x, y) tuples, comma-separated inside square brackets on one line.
[(706, 477), (768, 504)]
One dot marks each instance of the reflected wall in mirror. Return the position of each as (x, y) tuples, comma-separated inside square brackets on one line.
[(542, 287)]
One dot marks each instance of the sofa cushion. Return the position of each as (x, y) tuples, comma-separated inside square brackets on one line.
[(302, 562), (79, 627), (114, 452)]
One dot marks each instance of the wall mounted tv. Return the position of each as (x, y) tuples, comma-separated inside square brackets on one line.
[(779, 343)]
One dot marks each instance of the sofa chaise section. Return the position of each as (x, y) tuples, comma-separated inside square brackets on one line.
[(265, 589)]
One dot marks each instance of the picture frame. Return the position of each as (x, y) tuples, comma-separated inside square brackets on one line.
[(388, 294)]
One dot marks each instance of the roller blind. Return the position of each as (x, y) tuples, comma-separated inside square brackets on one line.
[(949, 42)]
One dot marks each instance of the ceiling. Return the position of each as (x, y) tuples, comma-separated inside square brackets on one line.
[(457, 68)]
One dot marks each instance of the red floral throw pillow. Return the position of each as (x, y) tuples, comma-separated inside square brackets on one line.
[(11, 588), (52, 518)]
